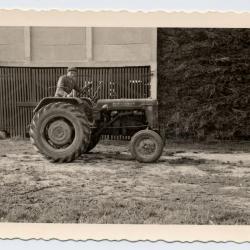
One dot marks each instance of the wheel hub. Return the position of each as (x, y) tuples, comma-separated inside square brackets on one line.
[(59, 132), (146, 146)]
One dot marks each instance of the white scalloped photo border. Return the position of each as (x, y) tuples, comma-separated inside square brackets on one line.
[(133, 233)]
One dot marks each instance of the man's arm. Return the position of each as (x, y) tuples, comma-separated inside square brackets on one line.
[(60, 82), (77, 88)]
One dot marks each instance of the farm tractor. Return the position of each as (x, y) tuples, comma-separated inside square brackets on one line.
[(63, 128)]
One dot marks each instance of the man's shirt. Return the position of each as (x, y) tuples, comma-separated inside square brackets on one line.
[(67, 84)]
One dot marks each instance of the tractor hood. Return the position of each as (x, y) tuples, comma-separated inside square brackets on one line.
[(125, 104)]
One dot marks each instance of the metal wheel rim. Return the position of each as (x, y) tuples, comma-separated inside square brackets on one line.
[(146, 146), (65, 130)]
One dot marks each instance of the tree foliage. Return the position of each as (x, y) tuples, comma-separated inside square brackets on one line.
[(204, 82)]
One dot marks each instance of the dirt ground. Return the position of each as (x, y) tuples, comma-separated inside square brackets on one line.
[(190, 184)]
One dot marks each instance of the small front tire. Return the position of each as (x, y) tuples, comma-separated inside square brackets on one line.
[(146, 146)]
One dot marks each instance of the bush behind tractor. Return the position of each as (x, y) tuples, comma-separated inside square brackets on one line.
[(63, 128)]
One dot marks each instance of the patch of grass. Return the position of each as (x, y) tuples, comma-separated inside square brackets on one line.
[(63, 212), (3, 213), (168, 212), (193, 208), (23, 214)]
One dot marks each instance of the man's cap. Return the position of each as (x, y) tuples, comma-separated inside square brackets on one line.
[(72, 69)]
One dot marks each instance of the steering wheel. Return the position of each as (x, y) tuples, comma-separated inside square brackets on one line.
[(85, 91)]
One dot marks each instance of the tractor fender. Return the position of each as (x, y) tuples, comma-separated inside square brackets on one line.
[(45, 101)]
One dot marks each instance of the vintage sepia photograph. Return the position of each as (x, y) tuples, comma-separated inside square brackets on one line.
[(125, 125)]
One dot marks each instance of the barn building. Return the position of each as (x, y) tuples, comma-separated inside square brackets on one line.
[(33, 58)]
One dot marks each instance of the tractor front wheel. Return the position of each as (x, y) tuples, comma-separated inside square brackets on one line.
[(60, 131), (146, 146)]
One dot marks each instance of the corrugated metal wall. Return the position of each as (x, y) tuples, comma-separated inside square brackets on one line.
[(22, 87)]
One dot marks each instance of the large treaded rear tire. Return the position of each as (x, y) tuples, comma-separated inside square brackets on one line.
[(79, 130)]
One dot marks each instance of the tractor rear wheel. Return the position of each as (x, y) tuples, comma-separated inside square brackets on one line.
[(60, 131), (146, 146)]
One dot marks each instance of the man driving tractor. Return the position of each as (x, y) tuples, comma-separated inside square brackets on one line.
[(67, 83), (64, 127)]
